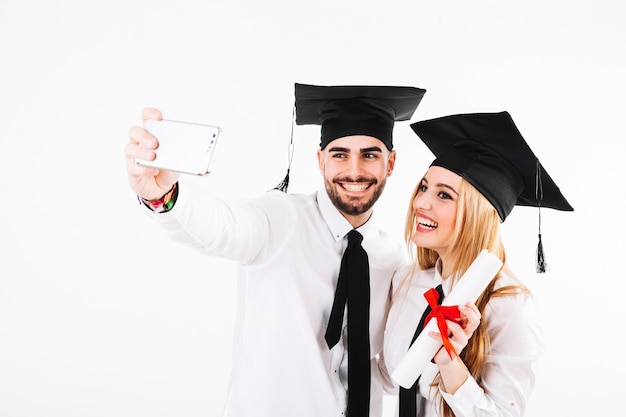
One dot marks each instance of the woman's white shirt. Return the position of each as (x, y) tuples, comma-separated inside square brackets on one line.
[(516, 343)]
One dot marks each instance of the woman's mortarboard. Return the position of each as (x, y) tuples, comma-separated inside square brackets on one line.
[(488, 151)]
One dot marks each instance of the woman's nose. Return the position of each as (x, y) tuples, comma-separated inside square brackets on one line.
[(421, 201)]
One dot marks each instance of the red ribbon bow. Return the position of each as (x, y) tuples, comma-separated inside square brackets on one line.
[(442, 313)]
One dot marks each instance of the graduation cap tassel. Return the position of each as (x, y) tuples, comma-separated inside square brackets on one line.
[(284, 184), (542, 265)]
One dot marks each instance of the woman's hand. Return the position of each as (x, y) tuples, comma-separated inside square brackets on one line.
[(459, 333)]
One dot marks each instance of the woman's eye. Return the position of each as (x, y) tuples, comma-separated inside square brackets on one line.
[(445, 196)]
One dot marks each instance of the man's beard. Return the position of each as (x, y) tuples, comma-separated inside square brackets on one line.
[(352, 207)]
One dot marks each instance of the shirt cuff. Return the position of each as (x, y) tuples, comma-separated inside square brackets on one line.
[(469, 396)]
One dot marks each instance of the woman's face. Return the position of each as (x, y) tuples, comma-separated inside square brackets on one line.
[(435, 206)]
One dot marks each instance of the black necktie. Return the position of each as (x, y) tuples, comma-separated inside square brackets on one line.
[(408, 396), (353, 288)]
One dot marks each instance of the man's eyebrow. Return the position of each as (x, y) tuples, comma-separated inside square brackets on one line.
[(338, 149), (371, 149), (362, 150)]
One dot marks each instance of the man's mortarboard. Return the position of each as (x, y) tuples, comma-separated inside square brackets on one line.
[(355, 109), (346, 110), (488, 151)]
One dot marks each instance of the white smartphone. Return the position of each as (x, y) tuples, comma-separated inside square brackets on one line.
[(183, 147)]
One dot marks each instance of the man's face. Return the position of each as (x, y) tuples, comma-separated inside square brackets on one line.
[(355, 170)]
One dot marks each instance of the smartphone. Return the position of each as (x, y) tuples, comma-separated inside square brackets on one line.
[(183, 147)]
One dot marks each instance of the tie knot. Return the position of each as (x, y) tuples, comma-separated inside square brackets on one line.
[(354, 237)]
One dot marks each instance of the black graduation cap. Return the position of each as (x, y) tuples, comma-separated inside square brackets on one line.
[(346, 110), (488, 151)]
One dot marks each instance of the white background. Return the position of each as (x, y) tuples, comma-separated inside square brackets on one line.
[(102, 316)]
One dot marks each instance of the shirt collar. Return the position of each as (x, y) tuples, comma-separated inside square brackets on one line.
[(445, 283), (339, 226)]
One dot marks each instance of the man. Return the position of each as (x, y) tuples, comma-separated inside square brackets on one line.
[(286, 361)]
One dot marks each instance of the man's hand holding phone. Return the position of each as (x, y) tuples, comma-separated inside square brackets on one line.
[(147, 182), (159, 152)]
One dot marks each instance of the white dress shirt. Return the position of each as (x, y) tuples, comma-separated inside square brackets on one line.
[(516, 343), (289, 247)]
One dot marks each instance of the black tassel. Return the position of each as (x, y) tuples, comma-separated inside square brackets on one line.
[(542, 265), (284, 184)]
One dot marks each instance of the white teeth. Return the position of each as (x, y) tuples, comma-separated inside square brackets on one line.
[(426, 223), (356, 187)]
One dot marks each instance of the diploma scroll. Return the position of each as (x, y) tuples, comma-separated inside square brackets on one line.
[(468, 288)]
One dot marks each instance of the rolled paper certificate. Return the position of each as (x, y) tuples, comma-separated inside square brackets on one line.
[(468, 288)]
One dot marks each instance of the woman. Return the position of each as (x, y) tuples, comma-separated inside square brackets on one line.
[(483, 168)]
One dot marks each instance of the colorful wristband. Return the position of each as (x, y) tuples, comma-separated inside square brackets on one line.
[(163, 204)]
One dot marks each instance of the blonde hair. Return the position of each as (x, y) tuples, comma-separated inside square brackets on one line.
[(477, 227)]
